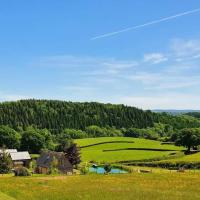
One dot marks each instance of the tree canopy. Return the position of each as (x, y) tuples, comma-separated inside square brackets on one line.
[(34, 140), (188, 138), (9, 137)]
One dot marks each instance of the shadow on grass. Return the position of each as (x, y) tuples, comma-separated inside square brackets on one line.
[(142, 149)]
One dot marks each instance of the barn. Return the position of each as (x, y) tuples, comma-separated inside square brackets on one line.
[(48, 159)]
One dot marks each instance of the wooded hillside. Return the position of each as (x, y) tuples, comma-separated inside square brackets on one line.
[(58, 115)]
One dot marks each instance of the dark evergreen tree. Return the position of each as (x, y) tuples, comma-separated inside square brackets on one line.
[(73, 154)]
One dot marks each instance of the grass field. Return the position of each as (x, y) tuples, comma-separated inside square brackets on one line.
[(158, 186), (5, 197), (115, 149), (187, 158)]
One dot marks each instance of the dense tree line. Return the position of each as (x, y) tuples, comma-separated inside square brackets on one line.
[(158, 131), (177, 122), (58, 115)]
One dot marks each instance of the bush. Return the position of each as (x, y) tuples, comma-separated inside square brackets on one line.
[(5, 163), (84, 169), (107, 168), (21, 171)]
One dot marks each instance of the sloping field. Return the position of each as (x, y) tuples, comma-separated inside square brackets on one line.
[(119, 149), (193, 158), (173, 186)]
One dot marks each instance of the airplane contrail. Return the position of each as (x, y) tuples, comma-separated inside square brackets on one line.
[(146, 24)]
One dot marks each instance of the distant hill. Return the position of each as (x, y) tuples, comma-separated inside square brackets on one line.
[(175, 112)]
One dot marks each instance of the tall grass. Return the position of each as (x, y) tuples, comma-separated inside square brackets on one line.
[(155, 186)]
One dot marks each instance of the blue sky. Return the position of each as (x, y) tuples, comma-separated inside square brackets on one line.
[(47, 52)]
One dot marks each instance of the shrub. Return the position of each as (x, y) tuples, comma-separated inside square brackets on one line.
[(84, 169), (107, 168), (5, 163), (21, 171)]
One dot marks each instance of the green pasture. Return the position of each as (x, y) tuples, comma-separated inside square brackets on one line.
[(192, 158), (119, 149)]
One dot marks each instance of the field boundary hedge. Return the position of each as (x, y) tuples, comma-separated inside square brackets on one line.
[(145, 149), (168, 165)]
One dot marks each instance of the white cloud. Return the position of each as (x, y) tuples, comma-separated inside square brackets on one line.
[(155, 58), (120, 64), (165, 80)]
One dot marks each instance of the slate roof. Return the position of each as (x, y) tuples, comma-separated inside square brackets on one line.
[(23, 155), (46, 158)]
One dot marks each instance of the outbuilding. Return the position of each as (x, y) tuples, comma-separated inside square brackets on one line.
[(22, 158)]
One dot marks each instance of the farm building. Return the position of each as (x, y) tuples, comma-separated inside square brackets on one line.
[(50, 159), (22, 158)]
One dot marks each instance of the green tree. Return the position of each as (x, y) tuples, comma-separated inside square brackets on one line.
[(9, 137), (5, 162), (72, 134), (73, 154), (32, 140), (64, 144), (107, 168), (49, 144), (188, 138), (95, 131)]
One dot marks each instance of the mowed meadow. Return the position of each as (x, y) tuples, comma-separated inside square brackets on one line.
[(157, 186), (122, 149)]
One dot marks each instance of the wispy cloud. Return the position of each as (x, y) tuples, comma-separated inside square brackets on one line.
[(146, 24), (145, 77), (165, 81), (155, 58), (90, 66)]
